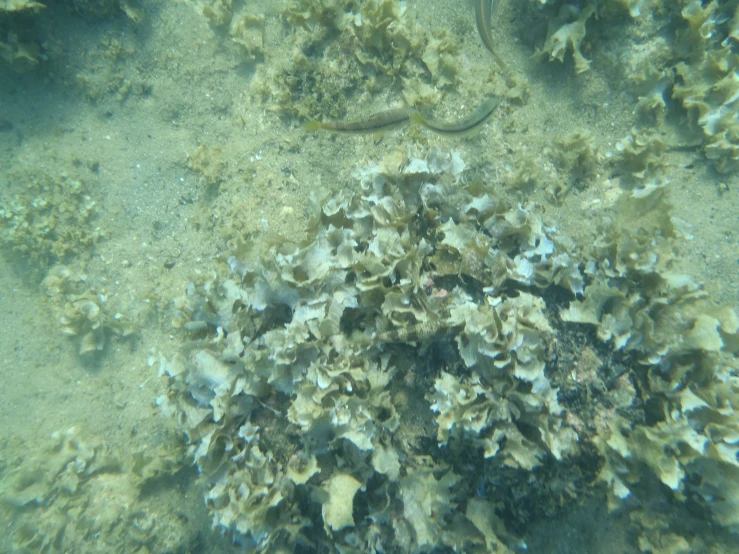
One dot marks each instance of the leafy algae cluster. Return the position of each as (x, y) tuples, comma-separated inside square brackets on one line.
[(244, 27), (683, 349), (80, 495), (707, 81), (83, 310), (48, 220), (47, 217), (684, 51), (344, 47), (393, 383), (25, 26)]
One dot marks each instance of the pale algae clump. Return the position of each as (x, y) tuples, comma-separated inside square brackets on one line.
[(49, 221), (344, 50), (392, 381), (84, 310), (504, 346), (562, 37), (641, 154), (46, 217), (76, 495), (245, 27), (684, 348), (708, 79), (290, 392), (683, 51), (567, 26)]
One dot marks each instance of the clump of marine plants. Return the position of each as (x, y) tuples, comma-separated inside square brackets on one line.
[(407, 376), (76, 494), (45, 217), (694, 65), (707, 82), (84, 310), (344, 48)]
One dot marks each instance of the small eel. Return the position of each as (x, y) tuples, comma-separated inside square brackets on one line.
[(396, 117), (389, 119), (373, 123), (483, 14), (471, 121)]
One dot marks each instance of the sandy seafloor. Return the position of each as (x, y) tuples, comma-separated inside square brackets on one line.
[(155, 210)]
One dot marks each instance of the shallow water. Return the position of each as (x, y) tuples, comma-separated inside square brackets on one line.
[(123, 107)]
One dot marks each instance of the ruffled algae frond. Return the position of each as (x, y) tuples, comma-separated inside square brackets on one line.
[(389, 381)]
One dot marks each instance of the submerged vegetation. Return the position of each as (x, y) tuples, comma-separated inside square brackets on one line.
[(424, 361), (316, 370)]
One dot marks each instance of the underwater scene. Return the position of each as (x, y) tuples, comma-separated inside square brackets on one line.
[(380, 276)]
